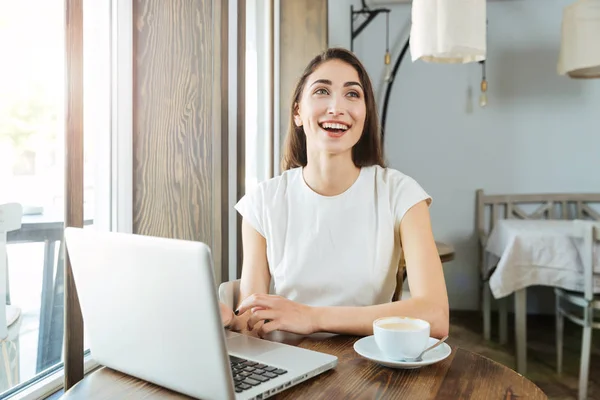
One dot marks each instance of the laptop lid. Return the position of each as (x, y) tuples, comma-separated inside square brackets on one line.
[(150, 309)]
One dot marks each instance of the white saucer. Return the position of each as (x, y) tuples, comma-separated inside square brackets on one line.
[(367, 348)]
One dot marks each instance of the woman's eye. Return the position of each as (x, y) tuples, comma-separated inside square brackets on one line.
[(321, 91), (354, 94)]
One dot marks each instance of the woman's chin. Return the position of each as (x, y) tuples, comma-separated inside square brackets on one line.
[(337, 149), (334, 145)]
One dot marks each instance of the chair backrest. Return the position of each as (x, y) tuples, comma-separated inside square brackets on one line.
[(10, 217), (10, 220), (568, 206), (229, 291), (588, 232)]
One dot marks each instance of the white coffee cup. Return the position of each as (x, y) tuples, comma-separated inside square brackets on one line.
[(401, 338)]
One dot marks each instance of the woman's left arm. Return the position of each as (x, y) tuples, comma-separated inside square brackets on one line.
[(429, 298)]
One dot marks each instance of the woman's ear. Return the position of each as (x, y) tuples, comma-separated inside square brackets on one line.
[(297, 119)]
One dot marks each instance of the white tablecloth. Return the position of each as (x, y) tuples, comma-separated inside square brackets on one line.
[(535, 252)]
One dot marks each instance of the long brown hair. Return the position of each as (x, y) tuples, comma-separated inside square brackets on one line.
[(368, 150)]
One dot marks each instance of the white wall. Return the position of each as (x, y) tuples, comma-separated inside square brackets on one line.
[(539, 133)]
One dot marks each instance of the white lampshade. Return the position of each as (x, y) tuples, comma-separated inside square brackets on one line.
[(445, 31), (580, 43)]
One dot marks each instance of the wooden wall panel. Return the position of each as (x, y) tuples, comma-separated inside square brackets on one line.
[(73, 337), (180, 140), (241, 127), (303, 34)]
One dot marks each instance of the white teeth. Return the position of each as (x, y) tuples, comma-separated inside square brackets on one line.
[(331, 125)]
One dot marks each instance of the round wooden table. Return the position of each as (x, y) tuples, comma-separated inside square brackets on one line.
[(446, 252), (463, 375)]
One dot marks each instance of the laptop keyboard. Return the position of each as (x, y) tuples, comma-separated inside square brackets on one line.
[(248, 374)]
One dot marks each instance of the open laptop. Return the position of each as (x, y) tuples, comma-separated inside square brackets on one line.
[(150, 310)]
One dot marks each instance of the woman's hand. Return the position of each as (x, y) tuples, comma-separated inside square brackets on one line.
[(278, 314)]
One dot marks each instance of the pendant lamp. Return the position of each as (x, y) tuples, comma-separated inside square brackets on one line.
[(579, 55), (445, 31)]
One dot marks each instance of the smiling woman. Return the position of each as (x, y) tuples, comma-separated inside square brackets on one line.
[(321, 107), (325, 101), (331, 229)]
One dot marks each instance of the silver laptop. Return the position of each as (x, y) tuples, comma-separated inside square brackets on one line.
[(150, 310)]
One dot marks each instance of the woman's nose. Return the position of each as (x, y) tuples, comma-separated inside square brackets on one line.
[(335, 107)]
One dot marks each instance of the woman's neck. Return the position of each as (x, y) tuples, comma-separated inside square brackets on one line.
[(330, 175)]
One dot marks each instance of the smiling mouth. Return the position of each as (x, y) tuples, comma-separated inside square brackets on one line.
[(334, 128)]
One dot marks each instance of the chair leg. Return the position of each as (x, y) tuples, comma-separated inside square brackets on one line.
[(487, 311), (586, 349), (7, 364), (521, 329), (503, 323), (7, 284), (560, 324)]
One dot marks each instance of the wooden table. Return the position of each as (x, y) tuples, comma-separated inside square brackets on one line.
[(526, 253), (462, 375), (446, 252)]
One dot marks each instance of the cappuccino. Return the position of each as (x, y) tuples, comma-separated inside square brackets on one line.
[(399, 326)]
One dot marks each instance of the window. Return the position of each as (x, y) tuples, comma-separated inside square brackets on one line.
[(259, 115), (32, 124), (32, 174)]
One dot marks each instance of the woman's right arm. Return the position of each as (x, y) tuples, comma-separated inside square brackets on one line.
[(255, 270)]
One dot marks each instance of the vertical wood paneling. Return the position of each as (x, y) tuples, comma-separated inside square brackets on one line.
[(241, 123), (73, 182), (303, 34), (221, 158), (179, 141)]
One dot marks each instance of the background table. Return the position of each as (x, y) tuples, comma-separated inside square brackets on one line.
[(523, 253), (462, 375), (445, 250)]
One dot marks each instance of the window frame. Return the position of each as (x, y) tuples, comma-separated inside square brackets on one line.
[(52, 383), (113, 187)]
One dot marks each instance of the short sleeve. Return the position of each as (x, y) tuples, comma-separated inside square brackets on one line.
[(251, 208), (407, 193)]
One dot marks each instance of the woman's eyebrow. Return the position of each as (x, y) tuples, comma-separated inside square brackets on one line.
[(328, 82), (353, 83), (323, 81)]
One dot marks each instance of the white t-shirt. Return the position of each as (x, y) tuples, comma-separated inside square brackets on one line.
[(333, 250)]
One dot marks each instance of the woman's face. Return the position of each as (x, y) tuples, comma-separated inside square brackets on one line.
[(332, 108)]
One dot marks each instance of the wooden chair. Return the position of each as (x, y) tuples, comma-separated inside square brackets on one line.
[(490, 208), (229, 291), (10, 220), (587, 301)]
